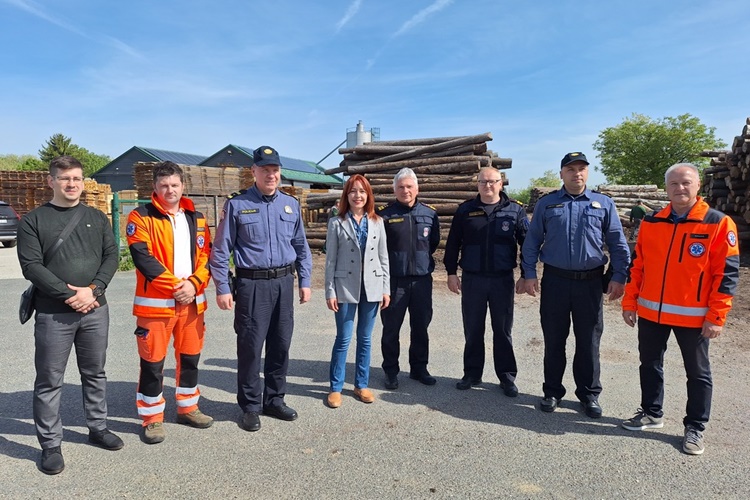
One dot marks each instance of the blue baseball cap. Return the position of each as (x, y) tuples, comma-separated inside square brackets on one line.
[(266, 155)]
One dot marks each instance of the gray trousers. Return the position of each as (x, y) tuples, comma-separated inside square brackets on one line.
[(54, 336)]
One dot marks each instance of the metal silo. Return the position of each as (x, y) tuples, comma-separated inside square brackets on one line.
[(359, 136)]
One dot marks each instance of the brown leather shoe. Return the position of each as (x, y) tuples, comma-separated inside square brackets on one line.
[(334, 399), (365, 395)]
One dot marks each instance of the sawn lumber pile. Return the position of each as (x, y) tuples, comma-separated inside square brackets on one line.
[(27, 190), (726, 182), (446, 168)]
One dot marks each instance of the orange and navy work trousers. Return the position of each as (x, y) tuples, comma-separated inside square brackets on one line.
[(153, 334)]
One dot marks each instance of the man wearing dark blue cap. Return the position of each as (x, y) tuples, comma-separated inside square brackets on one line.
[(262, 228), (568, 232)]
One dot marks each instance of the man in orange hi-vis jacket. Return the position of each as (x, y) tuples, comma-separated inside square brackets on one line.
[(170, 245), (684, 274)]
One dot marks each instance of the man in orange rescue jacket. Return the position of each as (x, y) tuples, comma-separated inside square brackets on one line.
[(170, 243), (684, 274)]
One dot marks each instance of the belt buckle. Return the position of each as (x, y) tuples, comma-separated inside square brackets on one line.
[(273, 273), (579, 275)]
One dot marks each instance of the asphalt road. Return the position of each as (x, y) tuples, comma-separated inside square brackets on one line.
[(417, 442)]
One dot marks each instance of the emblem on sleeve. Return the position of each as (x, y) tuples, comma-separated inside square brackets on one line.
[(130, 229), (506, 225), (732, 238), (201, 241), (426, 232), (696, 249)]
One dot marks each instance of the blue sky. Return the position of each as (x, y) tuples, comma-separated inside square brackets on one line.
[(193, 76)]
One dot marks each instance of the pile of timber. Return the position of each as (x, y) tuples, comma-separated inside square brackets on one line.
[(536, 193), (446, 167), (27, 190), (627, 196), (726, 182), (200, 181)]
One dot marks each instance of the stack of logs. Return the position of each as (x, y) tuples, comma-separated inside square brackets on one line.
[(726, 182), (446, 167), (627, 196), (536, 193)]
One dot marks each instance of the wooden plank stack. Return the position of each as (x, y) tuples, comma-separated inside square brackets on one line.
[(27, 190), (200, 181), (726, 182), (446, 167)]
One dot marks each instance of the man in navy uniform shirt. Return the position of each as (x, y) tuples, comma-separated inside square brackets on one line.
[(262, 228), (413, 234), (487, 232), (568, 232)]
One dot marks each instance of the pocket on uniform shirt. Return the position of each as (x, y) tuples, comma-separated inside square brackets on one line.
[(288, 221), (595, 218), (248, 226)]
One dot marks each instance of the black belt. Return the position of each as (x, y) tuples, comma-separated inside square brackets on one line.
[(575, 275), (265, 274)]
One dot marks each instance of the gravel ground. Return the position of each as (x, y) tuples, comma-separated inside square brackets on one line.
[(417, 442)]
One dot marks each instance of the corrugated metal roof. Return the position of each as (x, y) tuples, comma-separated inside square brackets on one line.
[(296, 175), (175, 156)]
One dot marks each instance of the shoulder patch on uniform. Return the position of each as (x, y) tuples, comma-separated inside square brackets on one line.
[(236, 193), (130, 229), (731, 238)]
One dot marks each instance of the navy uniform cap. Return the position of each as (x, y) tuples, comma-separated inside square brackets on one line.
[(571, 157), (266, 155)]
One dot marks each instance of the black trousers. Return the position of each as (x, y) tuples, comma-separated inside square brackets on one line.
[(264, 314), (563, 299), (412, 293), (477, 292), (652, 344)]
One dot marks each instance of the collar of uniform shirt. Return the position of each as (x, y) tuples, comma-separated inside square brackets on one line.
[(584, 194)]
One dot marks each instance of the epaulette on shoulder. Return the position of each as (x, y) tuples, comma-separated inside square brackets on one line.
[(381, 207), (430, 207), (515, 201), (236, 193)]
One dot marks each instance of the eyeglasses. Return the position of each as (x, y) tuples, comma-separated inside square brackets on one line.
[(489, 182), (65, 180)]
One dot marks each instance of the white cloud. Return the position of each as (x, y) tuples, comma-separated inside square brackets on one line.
[(423, 14), (350, 12)]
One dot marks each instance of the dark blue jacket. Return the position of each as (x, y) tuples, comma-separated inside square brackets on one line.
[(413, 235), (487, 243)]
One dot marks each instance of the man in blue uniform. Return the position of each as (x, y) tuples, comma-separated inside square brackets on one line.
[(568, 232), (487, 233), (413, 234), (262, 228)]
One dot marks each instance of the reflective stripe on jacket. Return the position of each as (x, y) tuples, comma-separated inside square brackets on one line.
[(685, 272), (151, 242)]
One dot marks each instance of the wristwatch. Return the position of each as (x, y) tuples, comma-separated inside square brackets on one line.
[(97, 290)]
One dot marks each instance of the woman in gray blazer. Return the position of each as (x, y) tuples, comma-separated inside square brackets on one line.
[(357, 279)]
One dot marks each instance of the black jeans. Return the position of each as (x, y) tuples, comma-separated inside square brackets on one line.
[(652, 344)]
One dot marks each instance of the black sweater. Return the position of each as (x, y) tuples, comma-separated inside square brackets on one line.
[(88, 255)]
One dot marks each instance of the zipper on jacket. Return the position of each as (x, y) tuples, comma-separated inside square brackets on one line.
[(664, 278), (412, 244), (700, 286), (682, 246)]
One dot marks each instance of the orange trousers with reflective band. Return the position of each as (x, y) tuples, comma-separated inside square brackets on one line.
[(153, 334)]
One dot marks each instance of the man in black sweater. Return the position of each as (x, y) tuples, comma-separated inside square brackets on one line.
[(71, 307)]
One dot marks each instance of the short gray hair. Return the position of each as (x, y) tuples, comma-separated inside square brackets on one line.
[(681, 165), (405, 173)]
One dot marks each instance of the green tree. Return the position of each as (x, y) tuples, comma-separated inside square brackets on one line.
[(32, 163), (640, 149), (59, 144)]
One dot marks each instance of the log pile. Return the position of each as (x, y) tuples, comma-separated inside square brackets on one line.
[(446, 168), (627, 196), (726, 182), (536, 193), (27, 190)]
